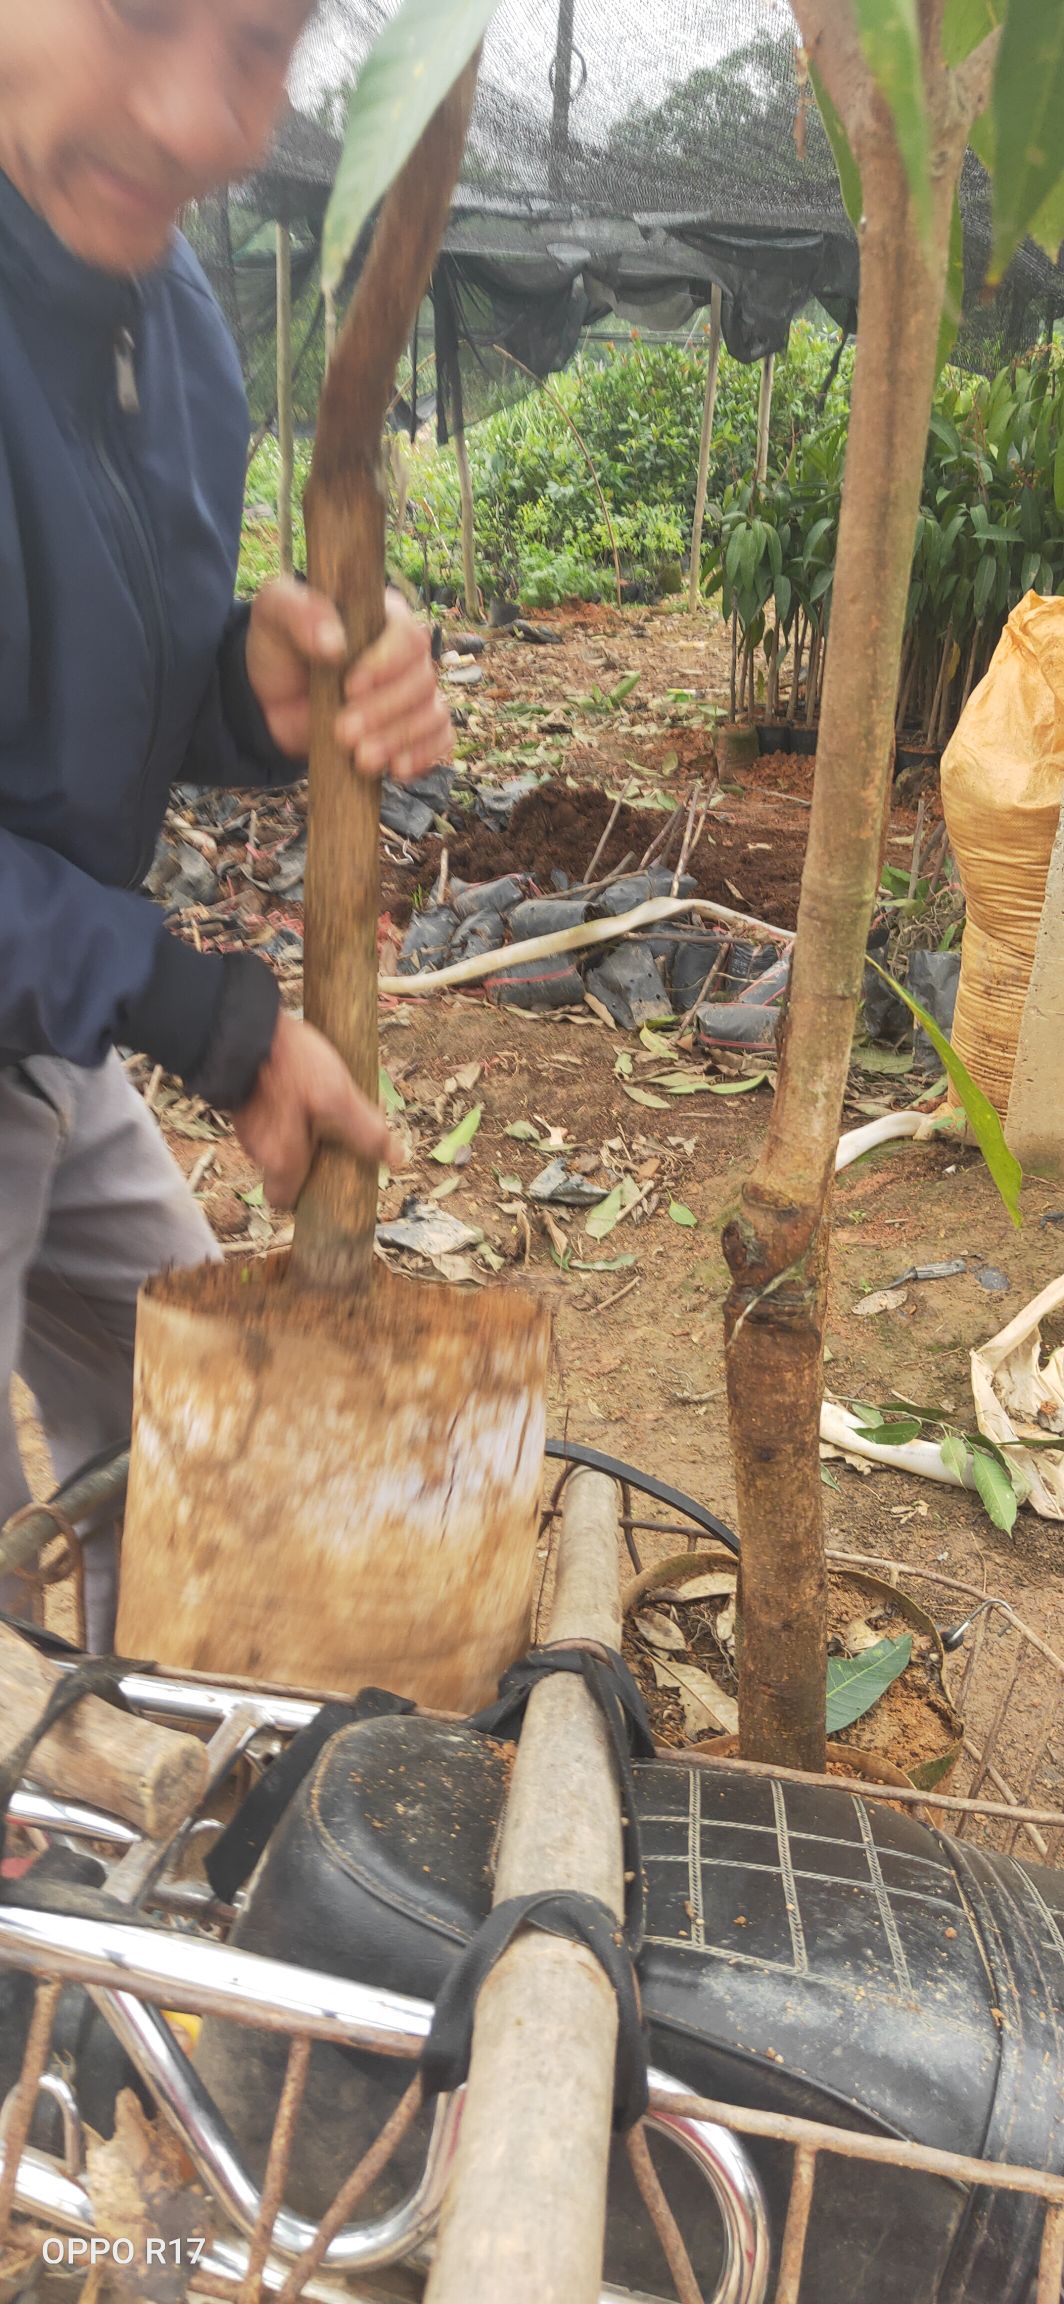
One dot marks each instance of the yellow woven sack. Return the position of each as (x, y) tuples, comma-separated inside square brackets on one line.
[(1002, 781)]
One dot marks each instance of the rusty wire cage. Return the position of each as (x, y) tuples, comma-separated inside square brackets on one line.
[(1005, 1791)]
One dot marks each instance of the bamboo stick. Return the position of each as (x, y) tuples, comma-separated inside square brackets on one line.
[(525, 2214), (285, 407), (708, 412), (764, 416)]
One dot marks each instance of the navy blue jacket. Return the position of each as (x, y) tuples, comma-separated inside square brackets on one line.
[(123, 441)]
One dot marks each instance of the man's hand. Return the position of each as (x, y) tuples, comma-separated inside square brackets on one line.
[(394, 718), (304, 1096)]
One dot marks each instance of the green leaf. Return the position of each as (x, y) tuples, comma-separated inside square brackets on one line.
[(1027, 107), (855, 1683), (956, 1455), (522, 1131), (656, 1042), (842, 150), (736, 1087), (644, 1096), (623, 1066), (388, 1093), (682, 1215), (601, 1264), (1058, 473), (889, 32), (979, 1111), (965, 23), (892, 1435), (953, 301), (459, 1137), (610, 1210), (409, 70), (995, 1489), (256, 1198), (624, 687)]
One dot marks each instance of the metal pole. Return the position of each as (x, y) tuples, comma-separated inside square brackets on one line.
[(764, 415), (285, 419), (708, 412), (563, 96), (525, 2215)]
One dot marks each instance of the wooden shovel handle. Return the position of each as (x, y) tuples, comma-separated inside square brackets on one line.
[(151, 1777), (344, 506)]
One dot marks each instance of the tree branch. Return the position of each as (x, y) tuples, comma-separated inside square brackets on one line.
[(972, 82), (832, 43)]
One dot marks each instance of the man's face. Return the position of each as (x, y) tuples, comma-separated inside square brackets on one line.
[(114, 113)]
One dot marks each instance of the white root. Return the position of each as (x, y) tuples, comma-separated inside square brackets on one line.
[(579, 939)]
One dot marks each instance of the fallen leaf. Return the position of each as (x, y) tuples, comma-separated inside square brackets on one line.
[(523, 1131), (467, 1075), (714, 1587), (253, 1199), (737, 1087), (445, 1187), (609, 1212), (447, 1149), (704, 1704), (644, 1097), (598, 1008), (858, 1636), (725, 1626), (661, 1632), (623, 1066), (881, 1300), (655, 1041), (490, 1256), (388, 1094), (682, 1215)]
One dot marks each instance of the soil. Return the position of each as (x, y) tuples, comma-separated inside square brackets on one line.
[(637, 1363), (558, 828), (911, 1725)]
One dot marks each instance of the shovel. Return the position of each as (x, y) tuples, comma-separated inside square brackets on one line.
[(335, 1469)]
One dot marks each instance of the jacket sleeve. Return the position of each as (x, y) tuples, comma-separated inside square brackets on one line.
[(83, 967), (231, 745)]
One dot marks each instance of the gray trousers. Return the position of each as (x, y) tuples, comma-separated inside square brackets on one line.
[(91, 1205)]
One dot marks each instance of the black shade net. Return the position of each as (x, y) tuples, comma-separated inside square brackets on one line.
[(626, 156)]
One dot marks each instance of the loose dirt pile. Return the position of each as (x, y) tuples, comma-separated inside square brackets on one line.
[(750, 856)]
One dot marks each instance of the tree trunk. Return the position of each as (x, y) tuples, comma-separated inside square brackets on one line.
[(776, 1246)]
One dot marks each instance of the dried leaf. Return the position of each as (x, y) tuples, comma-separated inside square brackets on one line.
[(682, 1215), (858, 1637), (726, 1624), (610, 1210), (705, 1706), (467, 1075), (661, 1632), (714, 1587), (142, 2188), (623, 1066), (881, 1300), (447, 1150), (522, 1131)]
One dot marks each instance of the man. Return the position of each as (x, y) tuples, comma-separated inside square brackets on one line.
[(124, 668)]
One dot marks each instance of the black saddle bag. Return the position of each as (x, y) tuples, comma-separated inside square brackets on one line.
[(807, 1952)]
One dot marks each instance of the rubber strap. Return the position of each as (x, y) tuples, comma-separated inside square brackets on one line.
[(584, 1920), (235, 1854), (606, 1677)]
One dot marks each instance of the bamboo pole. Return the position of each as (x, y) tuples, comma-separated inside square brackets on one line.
[(469, 534), (285, 415), (708, 412), (764, 415), (562, 94), (525, 2215)]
